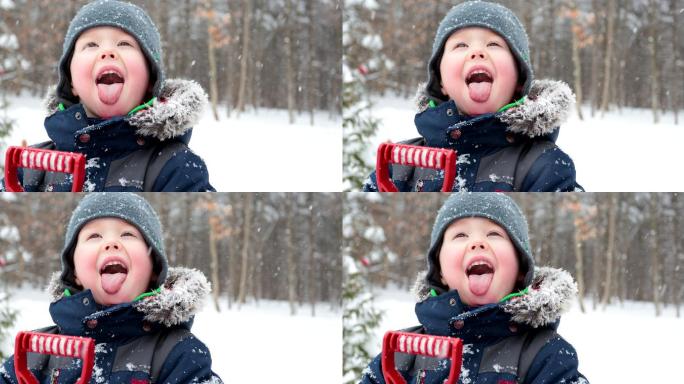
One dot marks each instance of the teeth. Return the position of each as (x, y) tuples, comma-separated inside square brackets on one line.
[(480, 263)]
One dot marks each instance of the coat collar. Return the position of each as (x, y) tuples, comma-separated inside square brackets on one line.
[(179, 106), (548, 105), (550, 295), (179, 299)]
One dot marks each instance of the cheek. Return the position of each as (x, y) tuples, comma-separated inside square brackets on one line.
[(507, 71), (137, 71), (80, 69)]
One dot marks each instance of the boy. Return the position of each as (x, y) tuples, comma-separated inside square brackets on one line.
[(481, 100), (115, 287), (113, 105), (481, 286)]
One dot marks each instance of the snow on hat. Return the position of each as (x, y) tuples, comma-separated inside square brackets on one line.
[(112, 13), (123, 205), (497, 207), (487, 15)]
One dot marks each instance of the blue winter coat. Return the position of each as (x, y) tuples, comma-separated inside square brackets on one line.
[(484, 330), (512, 150), (113, 147), (125, 336)]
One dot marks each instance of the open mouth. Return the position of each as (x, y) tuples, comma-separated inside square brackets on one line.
[(479, 82), (480, 274), (112, 275), (109, 84)]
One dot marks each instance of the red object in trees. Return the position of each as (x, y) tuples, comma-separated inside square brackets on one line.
[(362, 69), (58, 345), (43, 159), (365, 262), (415, 156), (417, 344)]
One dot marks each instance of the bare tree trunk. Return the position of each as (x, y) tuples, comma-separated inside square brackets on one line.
[(246, 31), (610, 250), (579, 262), (576, 62), (597, 51), (291, 267), (246, 231), (655, 253), (309, 93), (608, 58), (216, 285), (676, 269), (213, 86), (310, 262), (676, 88), (655, 70), (289, 43)]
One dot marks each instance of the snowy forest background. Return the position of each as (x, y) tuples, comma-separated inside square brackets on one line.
[(247, 54), (251, 246), (614, 54), (617, 246)]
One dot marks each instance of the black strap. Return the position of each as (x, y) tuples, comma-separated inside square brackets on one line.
[(163, 155), (527, 158)]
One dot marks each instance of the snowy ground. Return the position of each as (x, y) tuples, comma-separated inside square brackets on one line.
[(620, 345), (257, 344), (259, 151), (619, 153)]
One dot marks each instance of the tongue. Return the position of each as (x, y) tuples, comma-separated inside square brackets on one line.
[(479, 92), (112, 282), (479, 284), (109, 93)]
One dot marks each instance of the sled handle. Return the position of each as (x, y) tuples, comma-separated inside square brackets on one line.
[(43, 159), (58, 345), (416, 344), (415, 156)]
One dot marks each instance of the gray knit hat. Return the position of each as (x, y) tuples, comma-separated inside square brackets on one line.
[(487, 15), (112, 13), (497, 207), (123, 205)]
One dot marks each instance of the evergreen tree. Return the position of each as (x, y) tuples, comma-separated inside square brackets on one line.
[(6, 125), (359, 320), (7, 317), (357, 126)]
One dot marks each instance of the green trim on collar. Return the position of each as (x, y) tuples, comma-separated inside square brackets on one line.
[(513, 104), (143, 106), (432, 104), (515, 294), (148, 294), (433, 293), (67, 293), (60, 107)]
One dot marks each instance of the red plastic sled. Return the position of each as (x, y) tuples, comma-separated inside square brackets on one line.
[(45, 160), (58, 345), (416, 344), (415, 156)]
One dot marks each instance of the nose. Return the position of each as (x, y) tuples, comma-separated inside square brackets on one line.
[(478, 245), (108, 55), (111, 246), (478, 54)]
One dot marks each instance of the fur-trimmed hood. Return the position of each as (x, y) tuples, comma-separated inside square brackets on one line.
[(548, 105), (180, 298), (178, 108), (550, 295)]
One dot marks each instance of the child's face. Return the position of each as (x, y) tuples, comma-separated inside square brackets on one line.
[(108, 72), (478, 259), (478, 71), (112, 259)]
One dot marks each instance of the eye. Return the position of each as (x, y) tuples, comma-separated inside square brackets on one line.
[(90, 44), (128, 233), (125, 44), (493, 44), (460, 235), (93, 235), (494, 233), (460, 45)]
